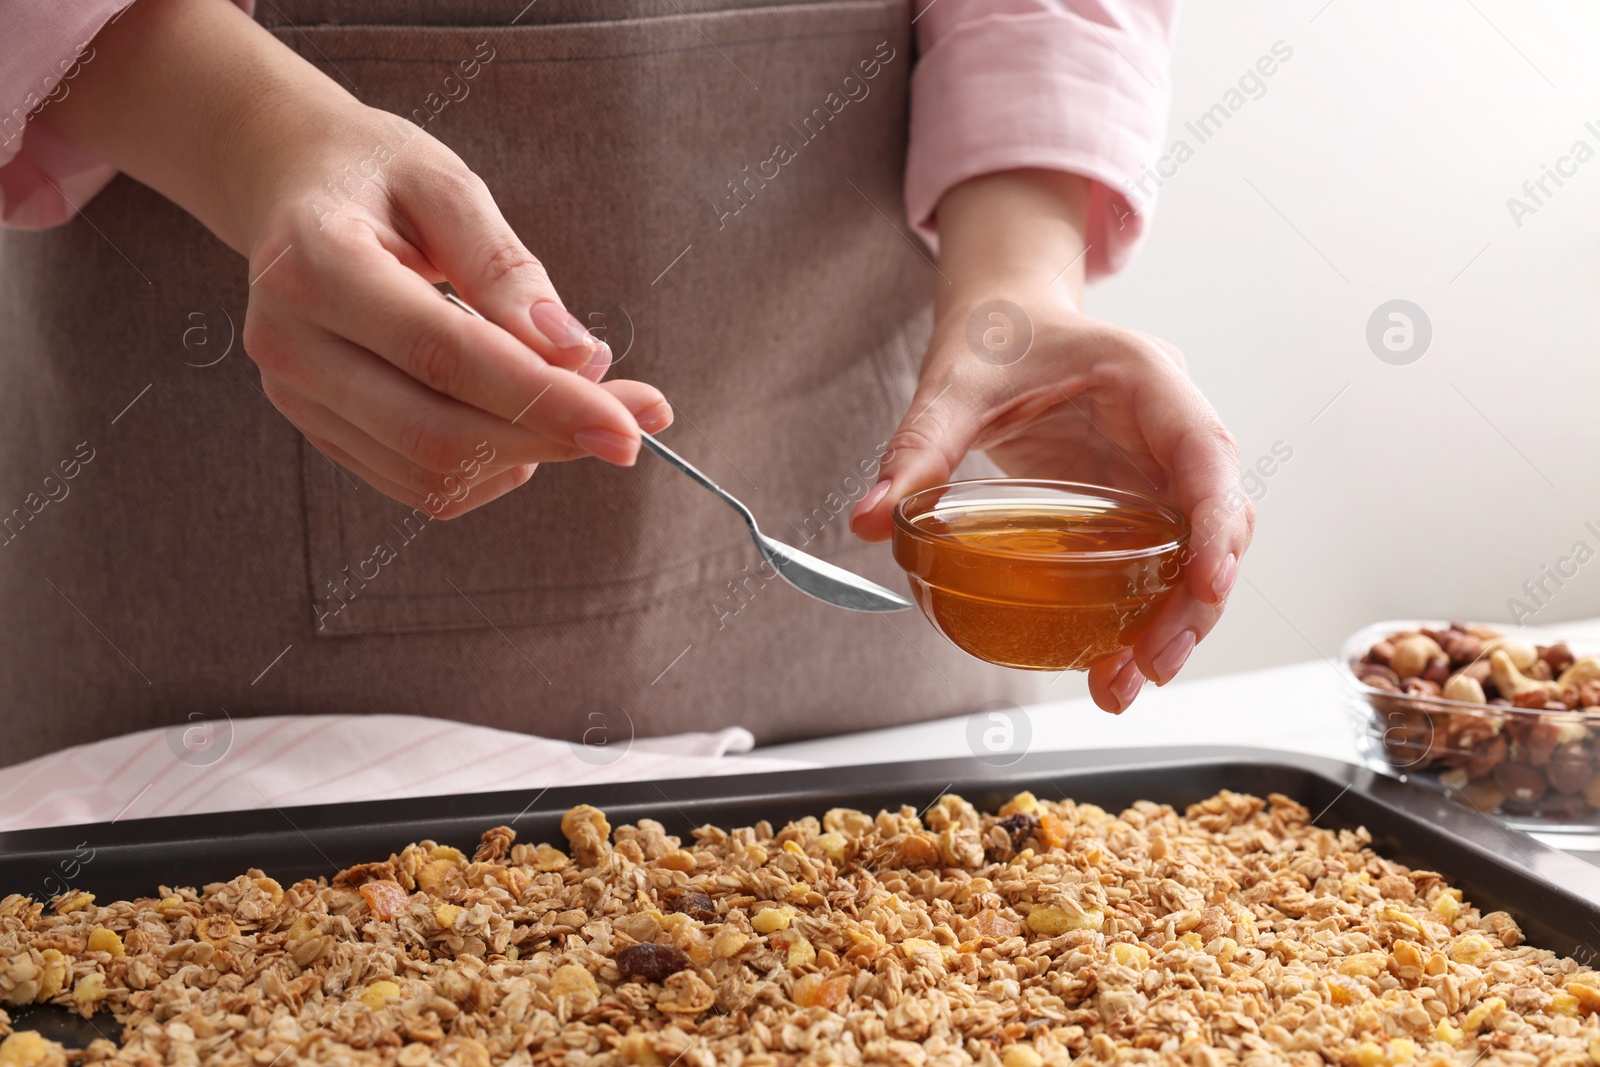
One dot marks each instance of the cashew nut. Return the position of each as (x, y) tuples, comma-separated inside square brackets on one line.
[(1465, 688), (1583, 670), (1413, 653), (1521, 652), (1512, 682)]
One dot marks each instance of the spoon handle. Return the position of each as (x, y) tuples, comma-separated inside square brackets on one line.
[(694, 472)]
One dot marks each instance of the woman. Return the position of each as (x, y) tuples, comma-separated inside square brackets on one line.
[(715, 191)]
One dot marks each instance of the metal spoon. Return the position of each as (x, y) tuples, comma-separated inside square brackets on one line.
[(810, 575), (814, 577)]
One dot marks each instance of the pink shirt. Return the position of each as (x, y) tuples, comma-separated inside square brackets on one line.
[(1071, 85)]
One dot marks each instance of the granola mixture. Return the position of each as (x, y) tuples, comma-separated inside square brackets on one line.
[(1047, 933)]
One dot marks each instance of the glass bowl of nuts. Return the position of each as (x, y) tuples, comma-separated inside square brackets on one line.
[(1500, 722)]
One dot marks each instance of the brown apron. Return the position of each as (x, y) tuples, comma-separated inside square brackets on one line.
[(707, 184)]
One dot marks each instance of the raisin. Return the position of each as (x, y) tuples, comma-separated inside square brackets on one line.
[(693, 904), (652, 962), (1019, 826)]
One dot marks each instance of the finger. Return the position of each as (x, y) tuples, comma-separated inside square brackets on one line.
[(317, 421), (449, 505), (432, 431), (391, 311), (937, 431), (650, 410), (460, 229), (1187, 438), (1115, 681), (1166, 644)]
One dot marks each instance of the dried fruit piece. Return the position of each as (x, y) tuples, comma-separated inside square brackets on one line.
[(651, 961), (25, 1048), (386, 899), (771, 920), (816, 991), (104, 940), (1022, 1056), (677, 860), (380, 993), (571, 979), (694, 904), (1126, 955), (730, 942), (990, 923), (1052, 921)]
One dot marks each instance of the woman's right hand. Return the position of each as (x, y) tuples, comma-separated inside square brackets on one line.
[(348, 216), (359, 350)]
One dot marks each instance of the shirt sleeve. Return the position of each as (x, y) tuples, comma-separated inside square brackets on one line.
[(44, 177), (1071, 85)]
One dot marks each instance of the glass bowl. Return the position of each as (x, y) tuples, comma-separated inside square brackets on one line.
[(1536, 769), (1039, 575)]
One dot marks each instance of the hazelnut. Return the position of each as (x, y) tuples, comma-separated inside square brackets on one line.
[(1421, 687), (1464, 688), (1485, 756), (1369, 671), (1380, 653), (1465, 648), (1570, 769), (1413, 653), (1562, 806), (1540, 671), (1546, 735), (1558, 655), (1530, 698), (1483, 794), (1479, 670), (1523, 784), (1438, 670)]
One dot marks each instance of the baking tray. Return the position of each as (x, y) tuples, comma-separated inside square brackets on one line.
[(1553, 896)]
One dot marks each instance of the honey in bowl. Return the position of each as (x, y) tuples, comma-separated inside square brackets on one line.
[(1039, 575)]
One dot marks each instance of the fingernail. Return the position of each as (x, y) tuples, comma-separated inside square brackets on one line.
[(561, 327), (655, 417), (597, 362), (1126, 685), (1226, 573), (609, 445), (870, 501), (1172, 658)]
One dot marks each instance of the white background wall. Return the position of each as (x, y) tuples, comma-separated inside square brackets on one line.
[(1391, 141)]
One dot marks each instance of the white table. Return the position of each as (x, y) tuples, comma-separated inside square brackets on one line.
[(1297, 708)]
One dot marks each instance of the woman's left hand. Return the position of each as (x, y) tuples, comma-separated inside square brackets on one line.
[(1015, 369)]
